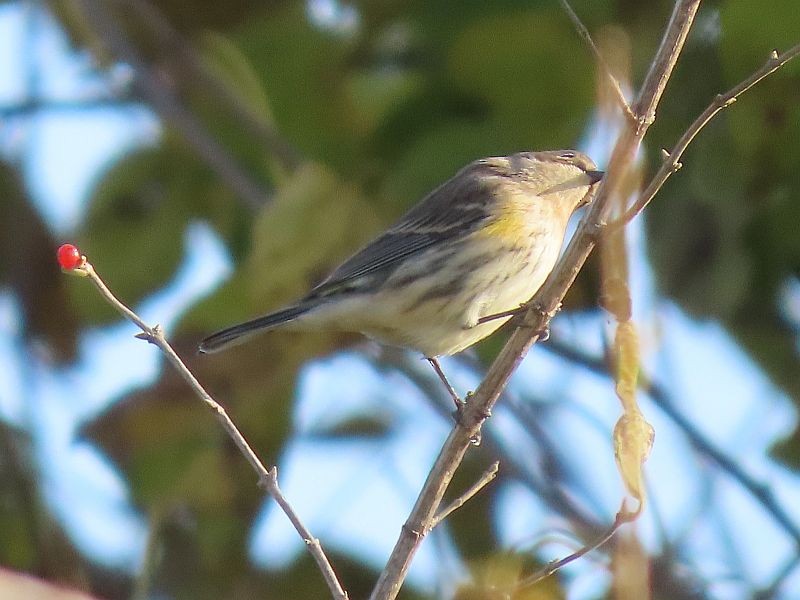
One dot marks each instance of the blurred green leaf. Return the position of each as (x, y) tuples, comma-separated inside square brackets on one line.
[(511, 76), (315, 220)]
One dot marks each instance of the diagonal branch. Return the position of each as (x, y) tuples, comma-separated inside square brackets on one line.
[(548, 299), (484, 480), (601, 62), (623, 516), (760, 492), (672, 161), (267, 479)]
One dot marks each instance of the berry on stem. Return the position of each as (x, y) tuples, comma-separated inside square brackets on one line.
[(69, 257)]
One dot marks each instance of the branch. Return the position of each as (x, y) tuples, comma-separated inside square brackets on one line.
[(267, 479), (601, 62), (514, 466), (178, 48), (672, 160), (479, 407), (661, 398), (484, 480), (623, 516), (551, 482), (164, 103)]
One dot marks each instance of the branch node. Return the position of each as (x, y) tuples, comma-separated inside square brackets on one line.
[(595, 231), (417, 534), (643, 122)]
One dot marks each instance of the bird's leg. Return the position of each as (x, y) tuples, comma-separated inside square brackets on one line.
[(450, 390), (514, 312), (518, 314), (476, 440)]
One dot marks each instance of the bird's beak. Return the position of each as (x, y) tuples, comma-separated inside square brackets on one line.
[(594, 176)]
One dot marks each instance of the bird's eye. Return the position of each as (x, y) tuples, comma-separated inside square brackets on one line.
[(567, 155)]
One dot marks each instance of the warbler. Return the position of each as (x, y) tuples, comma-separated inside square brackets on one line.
[(481, 244)]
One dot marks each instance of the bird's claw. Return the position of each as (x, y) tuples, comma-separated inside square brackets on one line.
[(458, 417)]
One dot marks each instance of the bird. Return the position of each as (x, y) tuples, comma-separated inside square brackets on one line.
[(477, 247)]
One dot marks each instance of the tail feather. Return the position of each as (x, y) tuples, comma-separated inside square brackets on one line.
[(237, 334)]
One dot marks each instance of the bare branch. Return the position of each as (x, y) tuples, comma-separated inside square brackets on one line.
[(622, 517), (661, 398), (267, 479), (484, 480), (667, 56), (548, 298), (672, 160), (601, 62), (514, 466)]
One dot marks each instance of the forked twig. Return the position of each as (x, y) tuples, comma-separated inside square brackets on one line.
[(672, 159), (484, 480)]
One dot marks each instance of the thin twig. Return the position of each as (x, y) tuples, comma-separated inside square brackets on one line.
[(601, 62), (546, 485), (549, 298), (514, 466), (666, 57), (476, 487), (661, 398), (267, 479), (513, 312), (554, 565), (672, 160)]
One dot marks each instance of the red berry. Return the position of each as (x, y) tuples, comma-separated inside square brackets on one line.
[(69, 257)]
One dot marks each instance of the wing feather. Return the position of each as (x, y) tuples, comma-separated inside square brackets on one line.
[(457, 204)]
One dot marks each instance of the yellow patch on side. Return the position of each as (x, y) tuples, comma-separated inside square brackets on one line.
[(508, 227), (520, 216)]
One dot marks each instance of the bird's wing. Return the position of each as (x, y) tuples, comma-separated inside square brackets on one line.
[(381, 255), (456, 204)]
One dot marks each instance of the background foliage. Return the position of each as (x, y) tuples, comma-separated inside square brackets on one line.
[(298, 130)]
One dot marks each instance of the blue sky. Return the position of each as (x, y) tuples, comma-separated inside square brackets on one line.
[(61, 153)]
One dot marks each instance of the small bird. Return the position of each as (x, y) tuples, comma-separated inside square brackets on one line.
[(479, 245)]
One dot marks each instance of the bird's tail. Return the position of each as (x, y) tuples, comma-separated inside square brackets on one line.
[(237, 334)]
